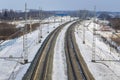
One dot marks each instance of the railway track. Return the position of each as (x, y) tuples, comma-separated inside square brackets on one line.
[(41, 66), (77, 68)]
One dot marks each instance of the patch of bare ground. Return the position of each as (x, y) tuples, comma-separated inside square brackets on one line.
[(9, 31), (116, 39)]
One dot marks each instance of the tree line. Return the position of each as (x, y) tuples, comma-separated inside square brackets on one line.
[(20, 15)]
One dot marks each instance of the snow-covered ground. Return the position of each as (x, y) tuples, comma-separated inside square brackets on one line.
[(10, 68), (59, 61), (107, 65), (51, 19)]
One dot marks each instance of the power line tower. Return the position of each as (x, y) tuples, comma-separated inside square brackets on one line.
[(48, 25), (25, 46), (30, 24), (93, 44), (54, 22), (40, 27), (83, 34), (41, 16), (78, 14), (84, 16)]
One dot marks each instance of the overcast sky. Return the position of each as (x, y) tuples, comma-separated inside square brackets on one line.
[(101, 5)]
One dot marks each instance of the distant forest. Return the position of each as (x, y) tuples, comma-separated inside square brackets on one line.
[(35, 14), (10, 15), (19, 15)]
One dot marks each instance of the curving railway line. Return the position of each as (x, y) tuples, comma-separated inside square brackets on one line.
[(77, 68), (41, 66)]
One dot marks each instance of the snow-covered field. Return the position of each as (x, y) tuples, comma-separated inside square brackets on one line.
[(107, 65), (11, 51)]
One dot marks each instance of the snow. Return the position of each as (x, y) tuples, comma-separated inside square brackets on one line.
[(59, 60), (106, 67), (20, 25), (10, 68), (101, 69)]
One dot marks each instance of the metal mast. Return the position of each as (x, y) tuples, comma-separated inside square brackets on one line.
[(54, 20), (83, 34), (84, 16), (40, 28), (30, 24), (93, 45), (41, 32), (25, 47), (48, 26)]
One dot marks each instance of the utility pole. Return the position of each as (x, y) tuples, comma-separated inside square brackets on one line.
[(83, 34), (25, 46), (48, 26), (84, 27), (61, 19), (30, 24), (78, 15), (93, 45), (54, 19), (40, 27)]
